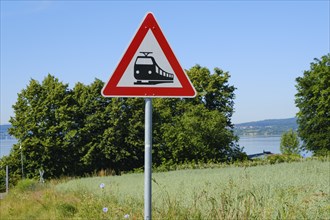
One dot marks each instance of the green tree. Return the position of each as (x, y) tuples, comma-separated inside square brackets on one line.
[(123, 140), (197, 129), (199, 135), (290, 143), (91, 122), (313, 101), (43, 124), (76, 131), (111, 131), (214, 90)]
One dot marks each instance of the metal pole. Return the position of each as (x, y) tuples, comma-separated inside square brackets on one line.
[(7, 179), (147, 158), (22, 160)]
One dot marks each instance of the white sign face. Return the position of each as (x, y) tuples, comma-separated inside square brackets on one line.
[(156, 59)]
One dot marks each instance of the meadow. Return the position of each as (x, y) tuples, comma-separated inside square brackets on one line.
[(298, 190)]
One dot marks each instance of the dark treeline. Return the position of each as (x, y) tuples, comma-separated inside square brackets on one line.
[(73, 132)]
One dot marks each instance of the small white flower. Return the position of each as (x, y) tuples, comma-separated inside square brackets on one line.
[(105, 209), (102, 185), (126, 216)]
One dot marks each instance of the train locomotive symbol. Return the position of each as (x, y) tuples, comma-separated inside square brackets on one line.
[(147, 71)]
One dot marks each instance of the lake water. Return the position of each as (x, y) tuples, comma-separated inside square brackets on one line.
[(258, 144), (6, 145), (252, 145)]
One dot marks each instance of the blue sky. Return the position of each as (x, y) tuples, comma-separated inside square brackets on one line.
[(264, 45)]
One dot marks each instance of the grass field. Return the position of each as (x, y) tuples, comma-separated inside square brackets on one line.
[(299, 190)]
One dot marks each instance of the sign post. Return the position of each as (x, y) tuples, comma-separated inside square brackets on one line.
[(20, 147), (147, 158), (7, 179), (149, 69)]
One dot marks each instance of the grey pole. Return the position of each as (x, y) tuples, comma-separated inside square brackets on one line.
[(147, 158), (7, 179), (20, 147)]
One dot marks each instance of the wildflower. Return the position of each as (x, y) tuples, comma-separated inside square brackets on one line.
[(126, 216), (102, 185), (105, 209)]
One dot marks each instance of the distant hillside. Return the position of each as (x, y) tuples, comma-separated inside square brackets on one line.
[(255, 128), (266, 127), (4, 132)]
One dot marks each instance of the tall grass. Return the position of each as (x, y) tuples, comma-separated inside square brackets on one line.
[(298, 190)]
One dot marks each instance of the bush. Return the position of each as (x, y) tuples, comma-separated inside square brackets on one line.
[(66, 210), (322, 153), (290, 143), (26, 185), (283, 158), (2, 180)]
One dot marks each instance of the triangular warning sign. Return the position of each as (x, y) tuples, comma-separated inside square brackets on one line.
[(149, 67)]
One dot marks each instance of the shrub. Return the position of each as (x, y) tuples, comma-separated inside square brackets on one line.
[(282, 158), (26, 185), (290, 143), (66, 210)]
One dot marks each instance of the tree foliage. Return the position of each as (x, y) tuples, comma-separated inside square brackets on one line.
[(77, 131), (313, 101), (290, 143), (43, 124), (214, 91)]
